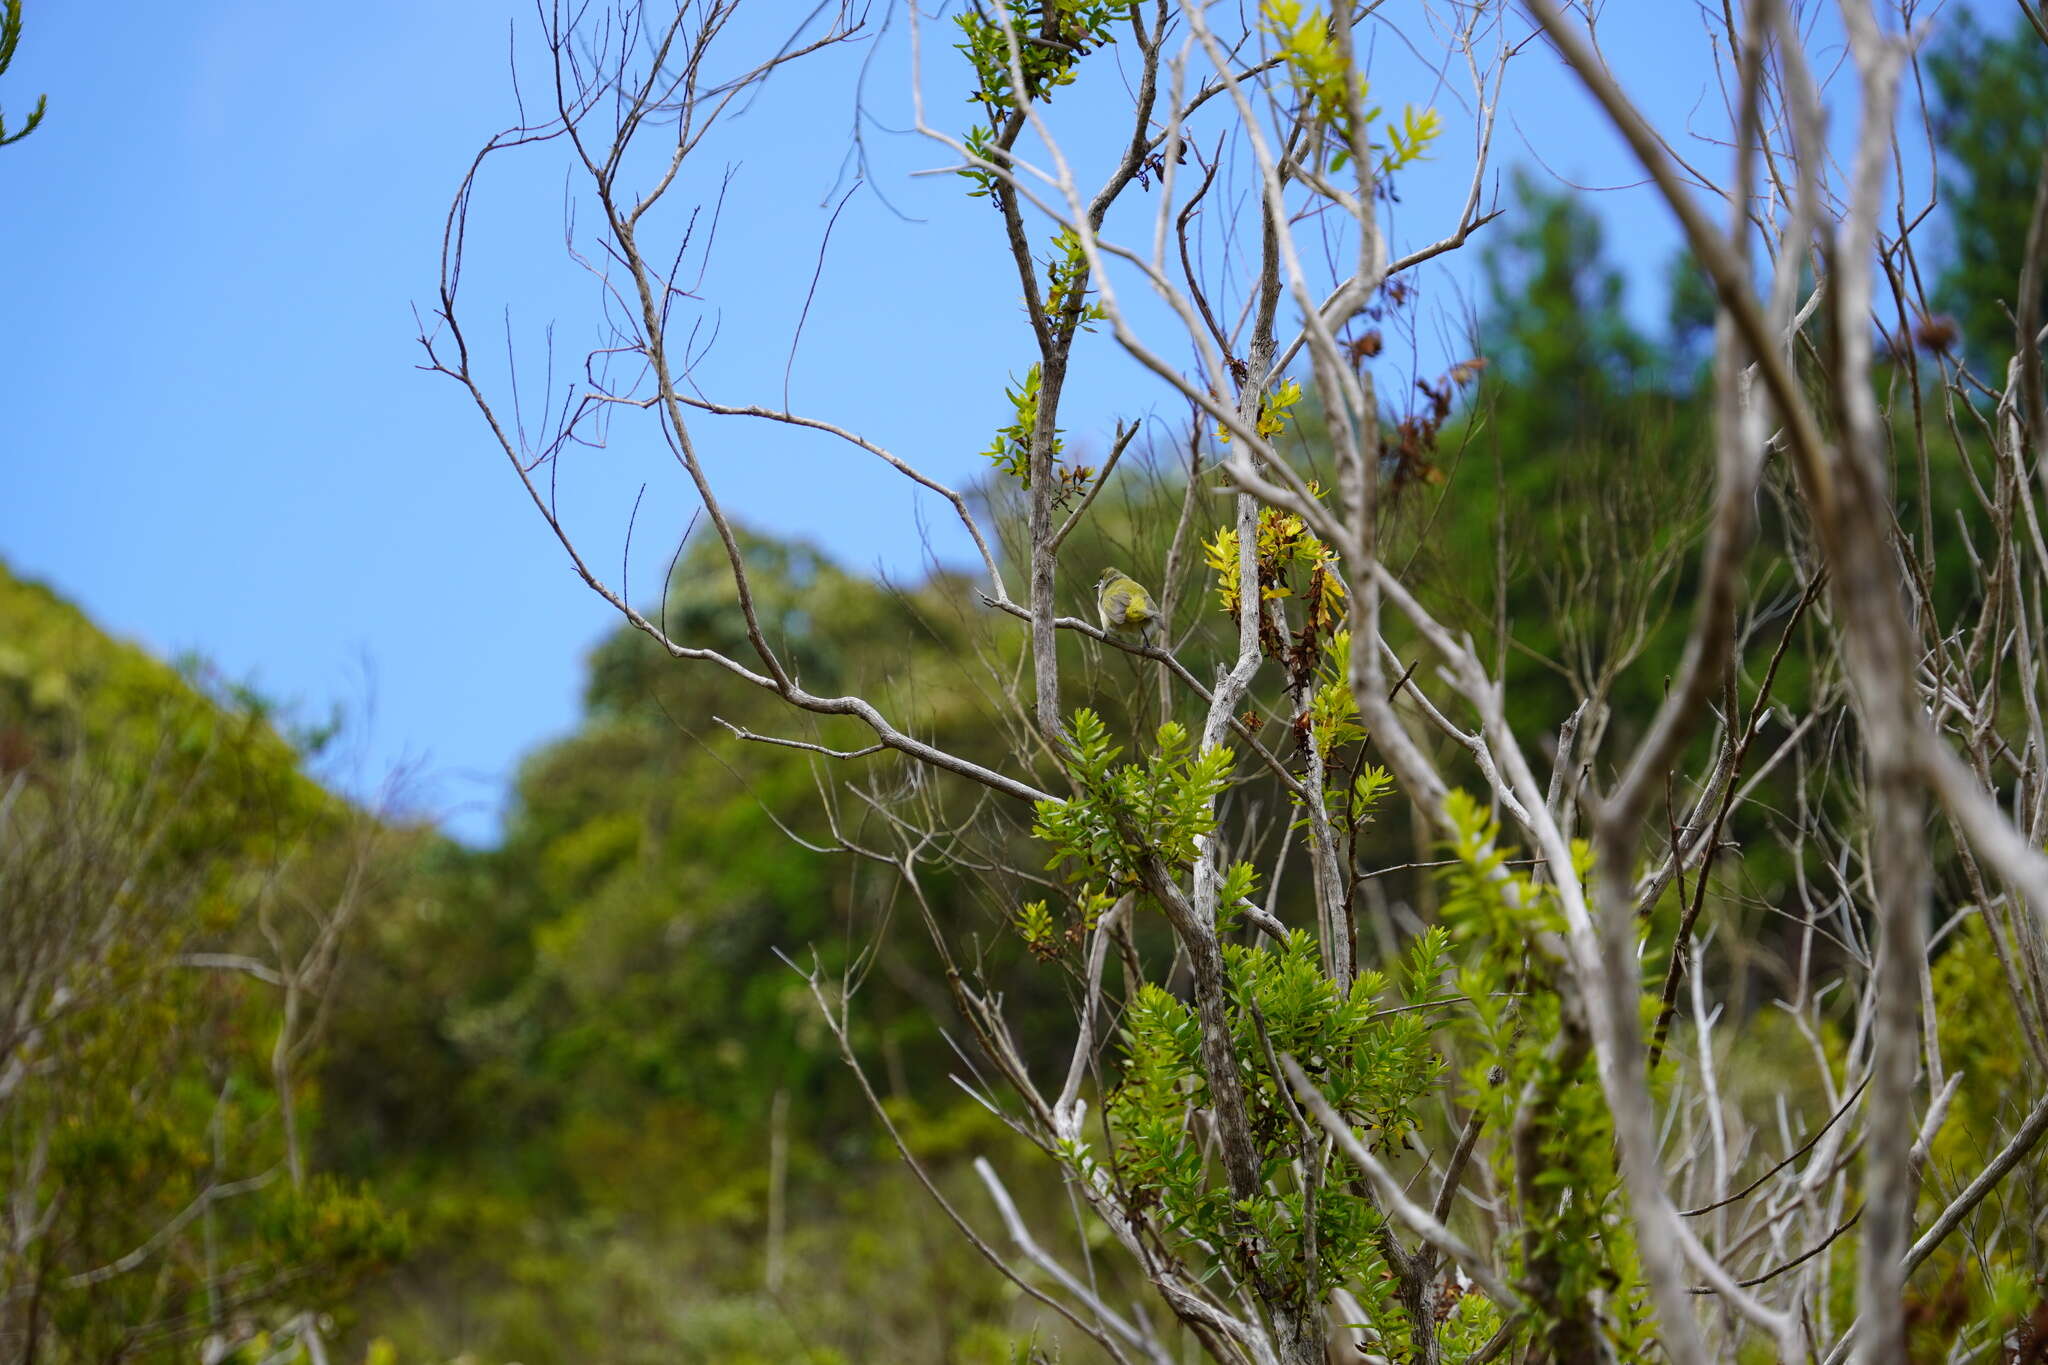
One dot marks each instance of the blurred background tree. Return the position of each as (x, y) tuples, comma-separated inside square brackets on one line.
[(1991, 118)]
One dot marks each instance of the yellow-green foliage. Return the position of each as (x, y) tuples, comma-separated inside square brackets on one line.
[(1531, 1073), (1979, 1028), (1324, 81), (1990, 1273), (1292, 562)]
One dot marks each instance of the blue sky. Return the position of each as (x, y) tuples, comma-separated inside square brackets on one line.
[(217, 439)]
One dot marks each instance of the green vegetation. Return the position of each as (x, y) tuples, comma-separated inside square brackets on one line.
[(1991, 95), (174, 886), (276, 1070), (565, 1059), (10, 40)]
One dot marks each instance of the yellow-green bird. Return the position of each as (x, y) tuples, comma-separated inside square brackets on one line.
[(1127, 609)]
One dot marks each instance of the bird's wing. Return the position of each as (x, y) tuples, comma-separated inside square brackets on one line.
[(1116, 604)]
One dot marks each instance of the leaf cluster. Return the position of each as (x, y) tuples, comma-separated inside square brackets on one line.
[(1052, 36), (1121, 815), (1314, 1226), (1322, 81), (1066, 284), (1293, 562)]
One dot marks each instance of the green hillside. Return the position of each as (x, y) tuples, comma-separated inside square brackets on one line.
[(175, 892)]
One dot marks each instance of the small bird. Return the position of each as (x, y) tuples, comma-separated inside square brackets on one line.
[(1127, 609)]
